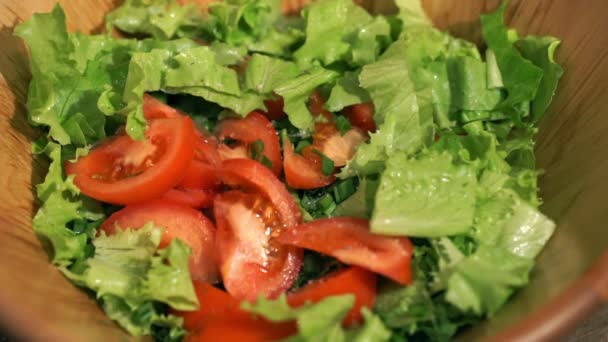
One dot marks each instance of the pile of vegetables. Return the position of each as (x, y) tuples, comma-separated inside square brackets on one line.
[(330, 176)]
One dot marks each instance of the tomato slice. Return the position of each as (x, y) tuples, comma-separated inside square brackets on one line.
[(239, 329), (362, 116), (350, 241), (250, 129), (274, 108), (155, 109), (124, 171), (253, 176), (193, 198), (303, 173), (214, 303), (251, 262), (178, 221), (337, 147), (352, 280)]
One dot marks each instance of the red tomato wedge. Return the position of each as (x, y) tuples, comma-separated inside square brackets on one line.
[(250, 129), (231, 329), (123, 171), (193, 198), (353, 280), (303, 173), (274, 108), (253, 176), (350, 241), (200, 176), (178, 221), (251, 262), (362, 116), (214, 303), (221, 319), (155, 109)]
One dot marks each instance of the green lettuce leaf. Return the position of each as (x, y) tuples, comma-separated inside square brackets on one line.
[(541, 51), (296, 92), (129, 272), (321, 321), (425, 197), (265, 73), (160, 19), (346, 92), (328, 24), (483, 282), (520, 76), (61, 206)]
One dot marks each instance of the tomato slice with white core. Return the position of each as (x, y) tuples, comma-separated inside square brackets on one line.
[(178, 221), (350, 241), (361, 116), (236, 152), (124, 171), (340, 148), (250, 129), (353, 280), (251, 262), (193, 198), (252, 176), (303, 173)]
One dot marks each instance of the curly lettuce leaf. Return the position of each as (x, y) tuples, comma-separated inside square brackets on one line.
[(61, 206), (321, 321), (129, 273), (328, 24), (160, 19)]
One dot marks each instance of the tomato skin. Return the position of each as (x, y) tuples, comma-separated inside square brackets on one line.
[(155, 109), (251, 262), (350, 241), (193, 198), (362, 116), (250, 129), (178, 221), (220, 318), (200, 175), (159, 162), (230, 329), (352, 280), (214, 303), (303, 173), (253, 176), (274, 108)]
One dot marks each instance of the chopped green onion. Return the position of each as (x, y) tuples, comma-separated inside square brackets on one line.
[(266, 162), (327, 165), (343, 124), (344, 189), (257, 149)]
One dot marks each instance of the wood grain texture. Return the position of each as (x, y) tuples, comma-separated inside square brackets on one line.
[(39, 304)]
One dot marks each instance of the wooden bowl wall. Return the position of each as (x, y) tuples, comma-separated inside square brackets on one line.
[(570, 279)]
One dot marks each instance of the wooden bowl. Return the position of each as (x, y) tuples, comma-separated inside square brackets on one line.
[(569, 281)]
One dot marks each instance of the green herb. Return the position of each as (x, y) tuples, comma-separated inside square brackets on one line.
[(327, 165), (343, 124)]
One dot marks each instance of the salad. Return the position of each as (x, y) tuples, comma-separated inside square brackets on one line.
[(243, 175)]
